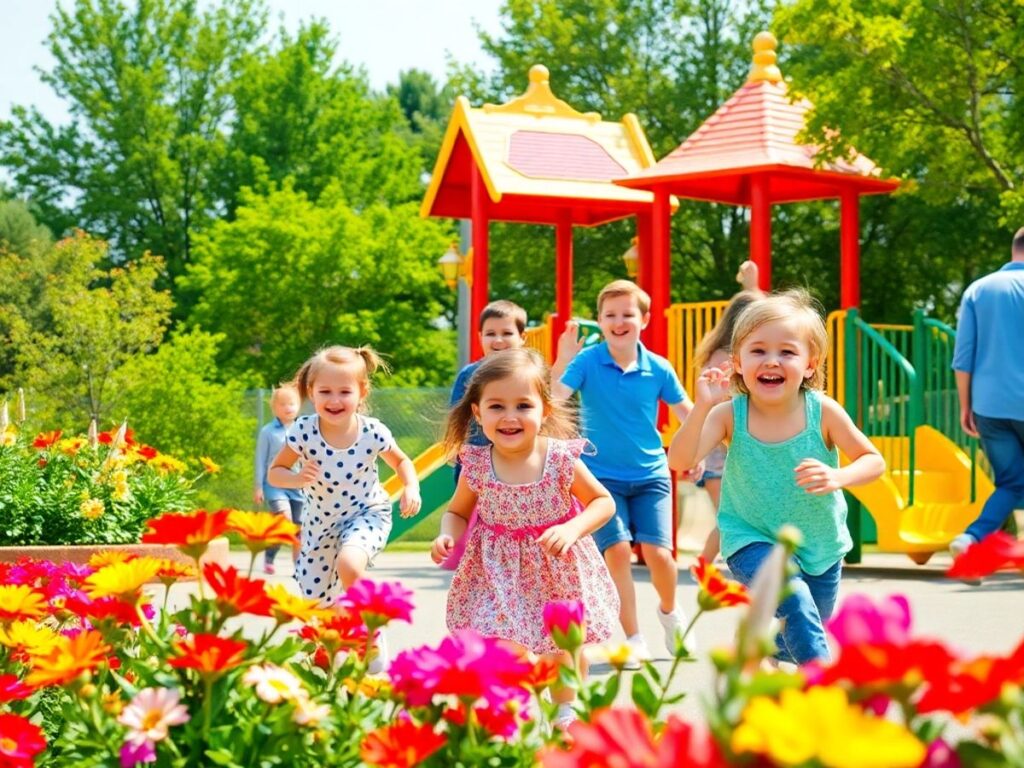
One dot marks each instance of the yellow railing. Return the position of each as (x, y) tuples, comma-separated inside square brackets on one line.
[(835, 360), (539, 338), (687, 325)]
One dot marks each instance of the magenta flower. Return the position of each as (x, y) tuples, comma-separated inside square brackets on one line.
[(137, 753), (861, 621), (941, 755), (564, 620), (378, 602)]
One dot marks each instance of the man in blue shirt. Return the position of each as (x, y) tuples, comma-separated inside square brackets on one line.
[(989, 365), (620, 384)]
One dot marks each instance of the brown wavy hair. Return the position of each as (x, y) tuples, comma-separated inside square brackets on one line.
[(364, 360), (559, 421), (720, 337)]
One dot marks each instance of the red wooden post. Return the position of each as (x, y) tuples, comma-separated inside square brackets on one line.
[(849, 250), (657, 337), (563, 276), (761, 229), (481, 235)]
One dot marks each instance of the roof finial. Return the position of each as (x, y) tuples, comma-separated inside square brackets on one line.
[(764, 69), (539, 100)]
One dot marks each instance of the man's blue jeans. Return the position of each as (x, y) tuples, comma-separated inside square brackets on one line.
[(1003, 443), (812, 601)]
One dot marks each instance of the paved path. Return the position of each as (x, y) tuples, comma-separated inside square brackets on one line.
[(987, 618)]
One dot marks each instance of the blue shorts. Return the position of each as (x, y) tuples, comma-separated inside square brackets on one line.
[(643, 513)]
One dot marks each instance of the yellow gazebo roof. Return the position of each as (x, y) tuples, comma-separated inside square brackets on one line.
[(540, 161)]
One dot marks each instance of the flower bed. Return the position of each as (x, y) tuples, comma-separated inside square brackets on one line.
[(93, 675)]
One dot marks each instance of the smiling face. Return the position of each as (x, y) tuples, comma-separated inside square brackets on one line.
[(285, 404), (499, 333), (621, 321), (337, 392), (511, 412), (775, 360)]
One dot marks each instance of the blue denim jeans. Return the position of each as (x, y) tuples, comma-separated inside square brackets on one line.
[(1003, 443), (803, 613)]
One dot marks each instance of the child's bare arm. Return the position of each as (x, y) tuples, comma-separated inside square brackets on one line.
[(281, 475), (704, 428), (866, 463), (410, 502), (454, 521), (598, 507), (569, 344)]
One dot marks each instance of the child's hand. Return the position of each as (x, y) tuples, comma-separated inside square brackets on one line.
[(257, 496), (309, 473), (817, 478), (410, 502), (693, 474), (569, 343), (442, 548), (557, 539), (713, 385)]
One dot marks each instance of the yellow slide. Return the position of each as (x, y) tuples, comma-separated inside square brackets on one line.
[(942, 505), (436, 488)]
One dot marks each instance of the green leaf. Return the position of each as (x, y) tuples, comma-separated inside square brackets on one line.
[(644, 695)]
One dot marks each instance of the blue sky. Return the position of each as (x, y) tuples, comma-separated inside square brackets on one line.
[(385, 36)]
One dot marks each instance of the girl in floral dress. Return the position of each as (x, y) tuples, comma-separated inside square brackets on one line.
[(531, 545)]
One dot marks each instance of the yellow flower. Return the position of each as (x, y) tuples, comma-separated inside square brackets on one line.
[(287, 606), (616, 655), (20, 601), (122, 580), (70, 445), (209, 465), (91, 509), (8, 435), (109, 556), (371, 687), (820, 724), (120, 482), (165, 464), (29, 637)]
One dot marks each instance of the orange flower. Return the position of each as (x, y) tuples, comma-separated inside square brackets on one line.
[(716, 591), (19, 602), (45, 439), (172, 570), (288, 607), (544, 673), (236, 594), (263, 529), (401, 745), (209, 654), (109, 557), (209, 465), (191, 533), (71, 656), (122, 580)]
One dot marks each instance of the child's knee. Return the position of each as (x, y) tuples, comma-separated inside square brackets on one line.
[(351, 564)]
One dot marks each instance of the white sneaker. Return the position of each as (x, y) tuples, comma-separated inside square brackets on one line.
[(379, 664), (960, 544), (565, 716), (638, 652), (674, 624)]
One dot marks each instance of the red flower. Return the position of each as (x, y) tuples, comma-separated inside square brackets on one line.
[(623, 737), (209, 654), (881, 664), (107, 438), (401, 745), (378, 602), (237, 594), (191, 533), (147, 452), (20, 742), (716, 591), (342, 630), (104, 609), (975, 683), (45, 439), (12, 689), (997, 552)]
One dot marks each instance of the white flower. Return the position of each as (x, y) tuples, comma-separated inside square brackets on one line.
[(151, 713), (274, 684), (308, 712)]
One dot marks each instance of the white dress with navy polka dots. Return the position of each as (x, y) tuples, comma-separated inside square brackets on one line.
[(346, 506)]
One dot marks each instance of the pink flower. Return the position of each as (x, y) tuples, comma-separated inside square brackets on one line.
[(137, 753), (378, 602), (861, 621), (563, 620), (940, 755), (151, 714)]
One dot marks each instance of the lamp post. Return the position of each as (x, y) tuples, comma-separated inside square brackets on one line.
[(631, 258), (457, 271)]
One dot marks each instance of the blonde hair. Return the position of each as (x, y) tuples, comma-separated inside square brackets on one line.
[(720, 337), (618, 288), (796, 304), (559, 421), (282, 388), (364, 360)]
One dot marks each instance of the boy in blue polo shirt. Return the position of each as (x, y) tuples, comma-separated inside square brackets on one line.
[(620, 384)]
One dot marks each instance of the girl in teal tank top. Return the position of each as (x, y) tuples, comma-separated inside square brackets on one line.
[(782, 468)]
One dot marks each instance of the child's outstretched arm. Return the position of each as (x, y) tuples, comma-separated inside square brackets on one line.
[(569, 345), (453, 521), (598, 508), (706, 424), (281, 475), (410, 502), (866, 463)]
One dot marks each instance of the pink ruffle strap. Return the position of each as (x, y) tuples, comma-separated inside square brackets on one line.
[(476, 465)]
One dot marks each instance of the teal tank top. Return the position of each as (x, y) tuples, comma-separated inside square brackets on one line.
[(760, 494)]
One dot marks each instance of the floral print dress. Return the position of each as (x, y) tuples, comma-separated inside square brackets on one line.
[(505, 577)]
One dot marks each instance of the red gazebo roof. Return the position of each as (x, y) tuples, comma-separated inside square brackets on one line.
[(755, 133)]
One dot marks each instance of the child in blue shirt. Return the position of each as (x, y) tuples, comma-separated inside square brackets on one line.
[(620, 384)]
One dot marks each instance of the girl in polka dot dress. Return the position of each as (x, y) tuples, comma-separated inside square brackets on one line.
[(531, 544), (347, 517)]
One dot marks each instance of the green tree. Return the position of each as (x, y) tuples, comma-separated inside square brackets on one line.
[(147, 85), (289, 275), (87, 323)]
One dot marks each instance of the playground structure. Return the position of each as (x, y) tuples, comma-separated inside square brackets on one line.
[(537, 160)]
